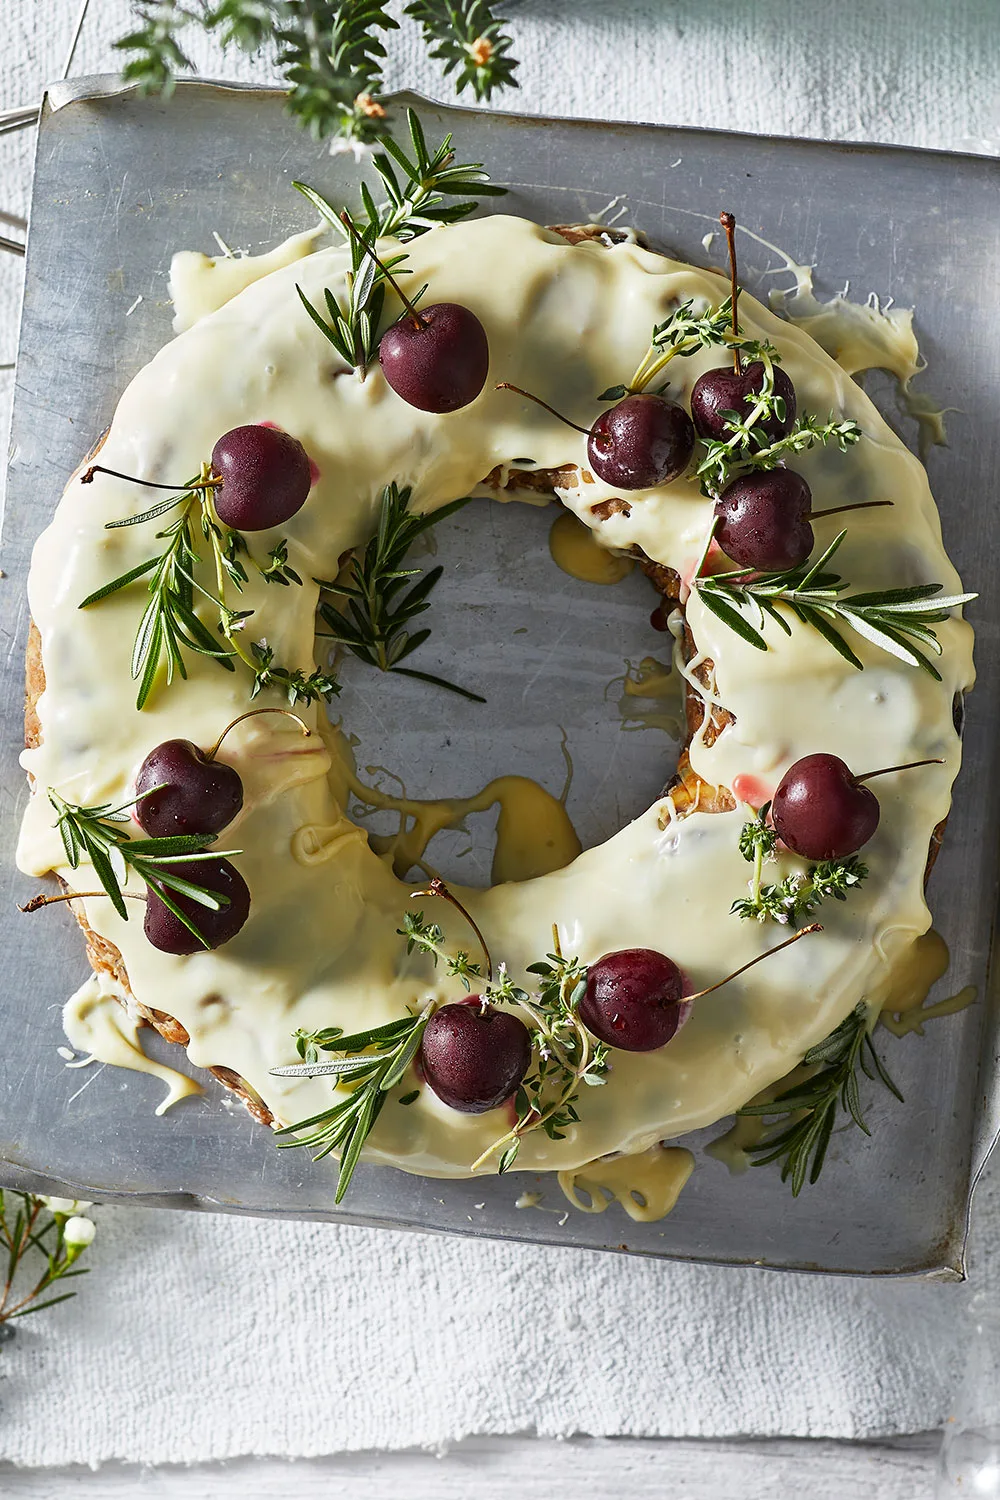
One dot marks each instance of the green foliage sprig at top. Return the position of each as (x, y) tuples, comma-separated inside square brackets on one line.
[(331, 53)]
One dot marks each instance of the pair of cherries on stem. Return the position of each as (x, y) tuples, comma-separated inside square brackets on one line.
[(821, 810), (260, 477), (475, 1056), (183, 789)]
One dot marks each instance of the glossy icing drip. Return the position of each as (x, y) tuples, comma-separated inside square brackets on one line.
[(321, 945)]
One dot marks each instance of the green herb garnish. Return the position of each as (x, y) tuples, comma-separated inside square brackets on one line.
[(892, 619), (379, 604), (96, 833), (790, 900), (801, 1145)]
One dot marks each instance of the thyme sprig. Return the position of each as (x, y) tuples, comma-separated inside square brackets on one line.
[(169, 625), (28, 1224), (790, 900), (428, 938), (331, 52), (895, 620), (684, 332), (374, 1061), (566, 1056), (810, 1109), (97, 834), (379, 604), (749, 449)]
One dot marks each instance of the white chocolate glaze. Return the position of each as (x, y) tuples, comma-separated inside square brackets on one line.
[(320, 947), (97, 1021), (201, 284), (647, 1185)]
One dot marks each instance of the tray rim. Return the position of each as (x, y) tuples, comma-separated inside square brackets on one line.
[(946, 1260)]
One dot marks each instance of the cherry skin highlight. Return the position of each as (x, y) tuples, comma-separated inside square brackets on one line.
[(634, 1000), (641, 442), (474, 1058), (722, 390), (265, 477), (168, 934), (196, 795), (438, 359), (762, 520), (820, 811)]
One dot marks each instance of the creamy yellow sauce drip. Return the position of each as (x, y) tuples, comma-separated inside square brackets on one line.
[(534, 832), (647, 1185), (575, 551), (96, 1022), (651, 697), (320, 947), (863, 336)]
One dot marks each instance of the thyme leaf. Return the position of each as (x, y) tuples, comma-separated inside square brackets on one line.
[(791, 900), (808, 1111)]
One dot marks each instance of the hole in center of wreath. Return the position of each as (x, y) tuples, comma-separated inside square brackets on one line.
[(580, 728)]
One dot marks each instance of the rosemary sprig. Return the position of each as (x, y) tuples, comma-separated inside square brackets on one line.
[(566, 1055), (414, 203), (892, 619), (96, 833), (353, 327), (799, 894), (470, 41), (373, 625), (59, 1237), (331, 52), (169, 623), (810, 1109), (373, 1073)]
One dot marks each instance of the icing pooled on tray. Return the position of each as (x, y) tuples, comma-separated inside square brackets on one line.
[(321, 945)]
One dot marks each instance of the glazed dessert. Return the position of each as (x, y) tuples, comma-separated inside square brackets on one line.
[(180, 751)]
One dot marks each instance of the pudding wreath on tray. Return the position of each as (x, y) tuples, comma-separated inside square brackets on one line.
[(180, 752)]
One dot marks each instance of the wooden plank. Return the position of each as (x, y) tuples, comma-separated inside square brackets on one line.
[(530, 1468)]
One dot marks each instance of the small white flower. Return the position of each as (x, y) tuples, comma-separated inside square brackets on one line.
[(63, 1205), (78, 1233)]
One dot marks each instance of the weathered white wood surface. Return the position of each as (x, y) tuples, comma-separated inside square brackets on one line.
[(529, 1468)]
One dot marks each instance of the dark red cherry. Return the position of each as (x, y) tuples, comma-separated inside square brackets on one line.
[(265, 477), (438, 359), (821, 811), (168, 933), (722, 389), (641, 442), (763, 520), (634, 1000), (474, 1058), (196, 795)]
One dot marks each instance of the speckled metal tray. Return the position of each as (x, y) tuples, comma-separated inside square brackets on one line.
[(120, 182)]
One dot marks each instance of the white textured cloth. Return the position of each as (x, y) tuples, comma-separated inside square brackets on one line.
[(201, 1337)]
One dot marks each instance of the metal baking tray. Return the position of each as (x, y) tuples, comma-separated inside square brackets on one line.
[(122, 181)]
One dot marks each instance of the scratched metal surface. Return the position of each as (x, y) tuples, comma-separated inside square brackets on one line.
[(120, 182)]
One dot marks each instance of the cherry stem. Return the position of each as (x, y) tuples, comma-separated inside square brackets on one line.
[(437, 887), (505, 385), (87, 477), (838, 510), (802, 932), (418, 321), (252, 714), (728, 223), (37, 902), (909, 766)]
